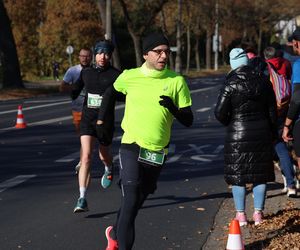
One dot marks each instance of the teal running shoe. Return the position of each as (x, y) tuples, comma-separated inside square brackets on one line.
[(81, 206), (106, 179)]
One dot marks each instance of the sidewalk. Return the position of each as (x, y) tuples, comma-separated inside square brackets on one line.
[(42, 84), (281, 226)]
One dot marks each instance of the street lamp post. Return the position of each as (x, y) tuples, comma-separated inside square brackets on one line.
[(70, 51), (216, 37), (108, 20)]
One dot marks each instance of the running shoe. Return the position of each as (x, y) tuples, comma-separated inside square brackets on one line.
[(284, 190), (106, 179), (81, 206), (241, 217), (111, 243), (257, 217), (291, 192), (77, 167)]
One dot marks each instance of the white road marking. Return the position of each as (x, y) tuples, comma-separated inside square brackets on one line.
[(68, 101), (202, 90), (15, 181), (69, 158), (35, 107), (60, 119), (196, 149), (203, 109), (218, 149), (54, 120), (173, 158), (74, 156), (46, 105), (200, 154), (47, 101), (203, 158)]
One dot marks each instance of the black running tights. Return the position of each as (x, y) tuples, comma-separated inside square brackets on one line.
[(132, 201)]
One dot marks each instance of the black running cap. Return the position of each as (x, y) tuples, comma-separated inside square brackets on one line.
[(153, 40)]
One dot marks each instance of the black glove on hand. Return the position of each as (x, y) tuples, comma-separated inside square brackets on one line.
[(168, 103), (100, 131), (103, 135)]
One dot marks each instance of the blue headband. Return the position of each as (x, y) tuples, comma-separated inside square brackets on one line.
[(104, 47)]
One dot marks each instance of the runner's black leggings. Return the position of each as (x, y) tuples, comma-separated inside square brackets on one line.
[(138, 180)]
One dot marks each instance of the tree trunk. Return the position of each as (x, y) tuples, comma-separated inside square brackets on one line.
[(9, 57), (137, 48), (102, 10), (178, 66), (259, 40), (197, 56), (197, 33), (164, 29), (188, 38), (208, 50), (108, 34), (116, 55), (188, 54)]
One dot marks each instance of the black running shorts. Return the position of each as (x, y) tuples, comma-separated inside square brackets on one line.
[(88, 127)]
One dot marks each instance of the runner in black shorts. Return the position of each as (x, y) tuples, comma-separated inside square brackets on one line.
[(97, 120)]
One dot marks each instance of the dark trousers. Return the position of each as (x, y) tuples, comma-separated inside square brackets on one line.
[(137, 181)]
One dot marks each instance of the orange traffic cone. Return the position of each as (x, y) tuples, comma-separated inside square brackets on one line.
[(20, 119), (235, 241)]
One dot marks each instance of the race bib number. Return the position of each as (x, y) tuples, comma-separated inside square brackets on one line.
[(94, 100), (151, 157)]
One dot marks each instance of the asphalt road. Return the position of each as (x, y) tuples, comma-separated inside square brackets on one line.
[(38, 187)]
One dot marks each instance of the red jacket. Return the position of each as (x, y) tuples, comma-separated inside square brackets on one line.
[(282, 65)]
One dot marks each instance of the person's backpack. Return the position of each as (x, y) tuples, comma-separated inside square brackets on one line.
[(281, 87)]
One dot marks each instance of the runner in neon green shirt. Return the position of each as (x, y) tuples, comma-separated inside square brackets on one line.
[(145, 121), (154, 96)]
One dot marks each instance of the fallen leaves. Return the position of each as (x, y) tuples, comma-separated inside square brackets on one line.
[(278, 231)]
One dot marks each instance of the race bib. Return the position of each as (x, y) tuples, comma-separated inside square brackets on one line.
[(151, 157), (94, 100)]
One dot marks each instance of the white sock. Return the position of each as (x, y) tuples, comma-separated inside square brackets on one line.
[(82, 191)]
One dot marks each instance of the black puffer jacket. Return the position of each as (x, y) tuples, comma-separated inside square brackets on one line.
[(247, 106)]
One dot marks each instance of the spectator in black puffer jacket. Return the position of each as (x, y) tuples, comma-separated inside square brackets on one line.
[(247, 107)]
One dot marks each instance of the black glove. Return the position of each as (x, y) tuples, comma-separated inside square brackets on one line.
[(103, 135), (168, 103), (100, 131)]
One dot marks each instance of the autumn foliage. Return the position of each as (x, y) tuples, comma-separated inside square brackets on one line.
[(44, 28)]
